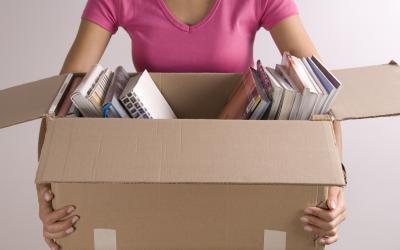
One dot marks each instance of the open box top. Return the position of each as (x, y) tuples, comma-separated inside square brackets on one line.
[(199, 151), (367, 92)]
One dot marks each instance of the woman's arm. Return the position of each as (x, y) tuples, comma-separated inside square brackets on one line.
[(87, 49), (290, 35)]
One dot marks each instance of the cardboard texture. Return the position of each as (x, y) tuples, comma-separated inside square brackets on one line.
[(368, 92), (28, 101), (195, 183), (189, 151), (188, 216)]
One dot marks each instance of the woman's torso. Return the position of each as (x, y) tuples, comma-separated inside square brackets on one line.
[(219, 39)]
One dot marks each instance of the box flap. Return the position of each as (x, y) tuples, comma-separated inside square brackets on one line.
[(189, 151), (28, 101), (196, 95), (368, 92)]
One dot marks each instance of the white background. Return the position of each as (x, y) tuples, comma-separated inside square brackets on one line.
[(36, 35)]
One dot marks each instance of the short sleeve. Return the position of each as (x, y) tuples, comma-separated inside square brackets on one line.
[(103, 12), (276, 11)]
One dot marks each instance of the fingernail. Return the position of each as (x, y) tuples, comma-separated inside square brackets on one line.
[(308, 211), (69, 230), (333, 204), (75, 219), (304, 219), (308, 228), (70, 210), (47, 196)]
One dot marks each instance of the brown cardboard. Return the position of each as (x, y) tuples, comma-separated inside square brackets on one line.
[(368, 92), (195, 183), (189, 151), (188, 216), (196, 95), (28, 101)]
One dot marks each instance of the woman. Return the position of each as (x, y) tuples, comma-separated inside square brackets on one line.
[(190, 36)]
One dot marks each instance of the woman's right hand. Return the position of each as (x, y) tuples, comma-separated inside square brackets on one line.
[(56, 223)]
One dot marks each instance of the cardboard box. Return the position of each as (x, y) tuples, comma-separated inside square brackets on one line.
[(197, 182)]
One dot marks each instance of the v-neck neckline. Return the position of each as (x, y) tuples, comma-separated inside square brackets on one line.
[(186, 27)]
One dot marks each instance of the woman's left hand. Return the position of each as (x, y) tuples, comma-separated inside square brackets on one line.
[(324, 223)]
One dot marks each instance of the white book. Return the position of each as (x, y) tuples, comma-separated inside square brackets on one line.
[(88, 96), (142, 99), (329, 87), (323, 93), (288, 94), (61, 93), (298, 95), (332, 79), (312, 97), (297, 80)]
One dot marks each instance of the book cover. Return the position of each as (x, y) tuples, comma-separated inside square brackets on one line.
[(246, 99)]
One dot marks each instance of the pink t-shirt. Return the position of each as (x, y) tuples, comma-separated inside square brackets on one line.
[(220, 42)]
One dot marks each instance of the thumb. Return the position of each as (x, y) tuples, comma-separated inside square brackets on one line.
[(44, 193), (333, 194)]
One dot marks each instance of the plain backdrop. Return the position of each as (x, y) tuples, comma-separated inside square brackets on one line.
[(36, 36)]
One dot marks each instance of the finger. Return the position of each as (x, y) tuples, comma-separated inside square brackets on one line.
[(59, 235), (44, 192), (52, 244), (61, 225), (333, 195), (328, 240), (315, 221), (44, 198), (326, 215), (316, 230), (59, 214)]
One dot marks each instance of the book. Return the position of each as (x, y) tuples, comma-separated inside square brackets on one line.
[(337, 85), (288, 95), (56, 104), (65, 108), (89, 95), (273, 89), (112, 107), (143, 100), (298, 95), (248, 101), (323, 93), (264, 103), (299, 77)]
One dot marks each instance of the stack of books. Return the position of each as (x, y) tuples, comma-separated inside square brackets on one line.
[(296, 89), (104, 93)]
